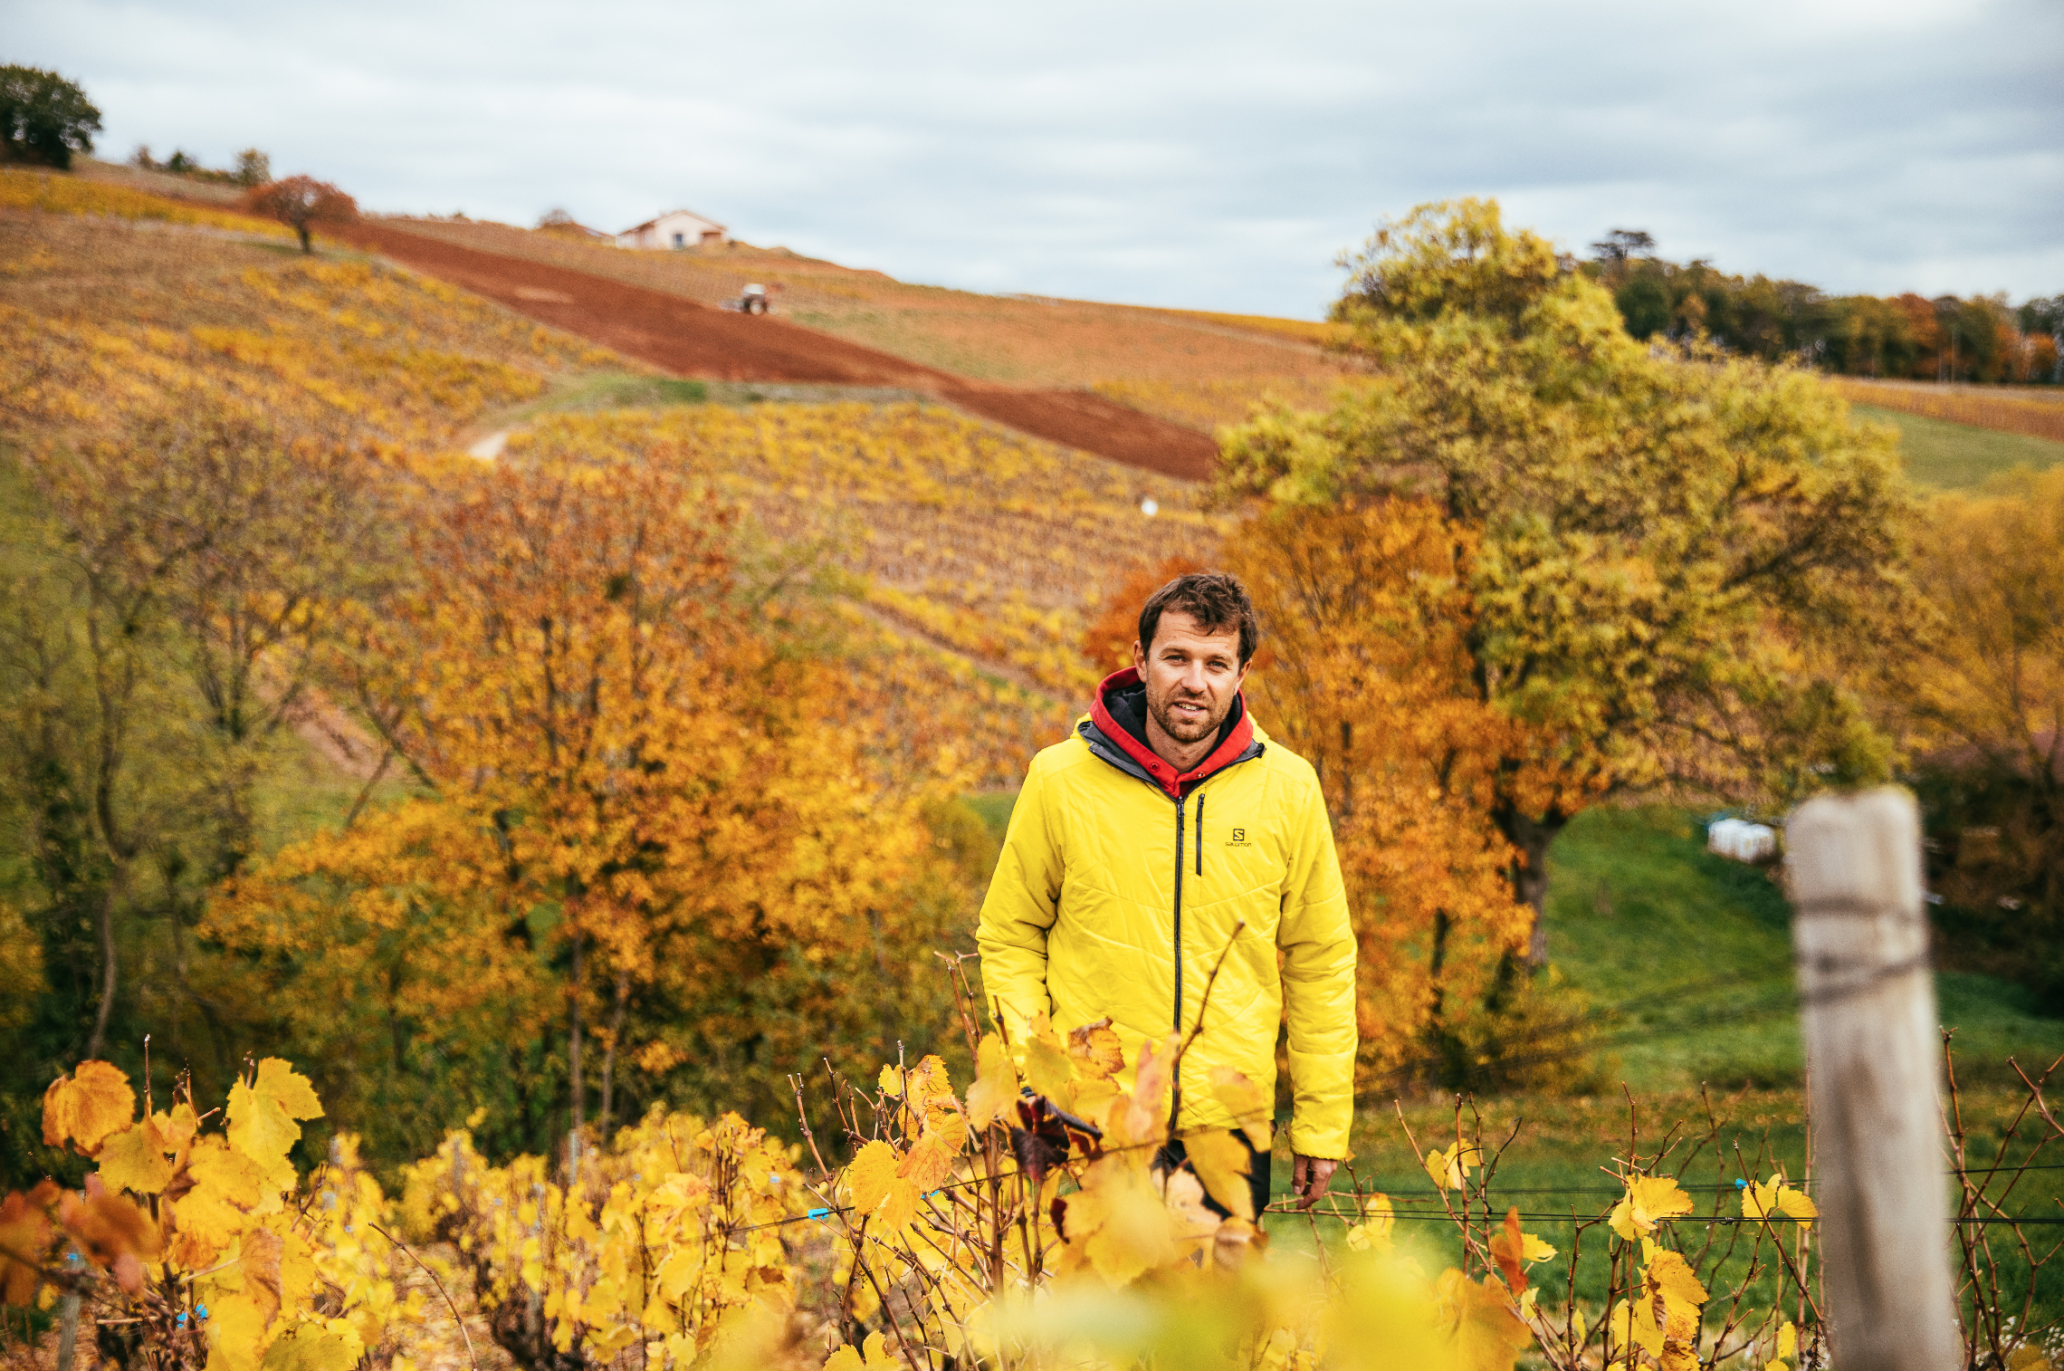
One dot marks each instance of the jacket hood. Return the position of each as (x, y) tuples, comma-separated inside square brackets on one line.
[(1116, 730)]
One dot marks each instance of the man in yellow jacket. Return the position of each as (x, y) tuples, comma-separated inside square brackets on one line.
[(1169, 836)]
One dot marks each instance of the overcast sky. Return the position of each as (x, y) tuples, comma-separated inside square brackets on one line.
[(1200, 154)]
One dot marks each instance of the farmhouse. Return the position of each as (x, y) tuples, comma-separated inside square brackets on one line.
[(678, 228)]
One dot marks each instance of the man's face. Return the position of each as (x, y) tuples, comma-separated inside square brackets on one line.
[(1192, 677)]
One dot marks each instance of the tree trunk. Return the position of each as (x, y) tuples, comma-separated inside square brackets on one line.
[(306, 245), (1532, 836), (104, 927), (573, 1053), (607, 1116)]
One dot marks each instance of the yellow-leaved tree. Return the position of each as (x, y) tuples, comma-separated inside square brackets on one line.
[(1980, 700), (635, 812), (1683, 555)]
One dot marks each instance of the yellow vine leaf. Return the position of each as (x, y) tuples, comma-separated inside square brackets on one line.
[(262, 1113), (312, 1347), (1096, 1047), (1633, 1325), (1760, 1200), (878, 1191), (1669, 1275), (1450, 1170), (929, 1163), (258, 1262), (1648, 1201), (1372, 1234), (134, 1160), (1117, 1224), (677, 1274), (1788, 1340), (1244, 1100), (874, 1356), (229, 1175), (996, 1084), (87, 1106), (236, 1333), (1048, 1069), (1223, 1164), (1487, 1333)]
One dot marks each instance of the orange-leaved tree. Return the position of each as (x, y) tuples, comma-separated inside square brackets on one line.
[(631, 798), (1107, 642), (1364, 671), (302, 203), (1367, 674)]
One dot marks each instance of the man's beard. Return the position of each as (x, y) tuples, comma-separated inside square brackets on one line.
[(1185, 730)]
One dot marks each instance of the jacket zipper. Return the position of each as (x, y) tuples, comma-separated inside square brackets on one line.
[(1200, 833), (1175, 1090)]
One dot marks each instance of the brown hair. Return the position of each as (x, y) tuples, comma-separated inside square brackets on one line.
[(1215, 600)]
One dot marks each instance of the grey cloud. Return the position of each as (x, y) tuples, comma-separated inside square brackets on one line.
[(1212, 155)]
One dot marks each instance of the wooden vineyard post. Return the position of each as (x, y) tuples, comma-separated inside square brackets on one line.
[(1872, 1059)]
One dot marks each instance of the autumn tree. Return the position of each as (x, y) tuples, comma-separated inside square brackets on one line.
[(1369, 677), (637, 815), (302, 203), (1681, 552), (155, 657), (1980, 699)]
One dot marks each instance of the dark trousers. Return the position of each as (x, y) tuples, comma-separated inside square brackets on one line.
[(1173, 1155)]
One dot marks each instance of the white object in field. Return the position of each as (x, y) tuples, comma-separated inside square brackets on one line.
[(1873, 1067), (1150, 506), (490, 447), (1741, 840)]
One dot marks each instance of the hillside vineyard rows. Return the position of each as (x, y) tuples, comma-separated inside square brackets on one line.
[(975, 549)]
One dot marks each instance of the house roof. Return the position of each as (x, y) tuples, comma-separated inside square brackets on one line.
[(704, 218)]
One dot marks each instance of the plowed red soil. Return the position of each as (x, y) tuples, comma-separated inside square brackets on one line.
[(689, 339)]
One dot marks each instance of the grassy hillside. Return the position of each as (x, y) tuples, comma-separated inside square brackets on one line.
[(1687, 960), (1956, 456)]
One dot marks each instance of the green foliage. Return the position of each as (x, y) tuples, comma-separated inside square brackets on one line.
[(1683, 552), (1686, 958), (43, 117)]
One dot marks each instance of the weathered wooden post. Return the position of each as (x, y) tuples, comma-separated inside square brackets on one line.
[(1873, 1060)]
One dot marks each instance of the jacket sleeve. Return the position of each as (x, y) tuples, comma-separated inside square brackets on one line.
[(1023, 901), (1318, 947)]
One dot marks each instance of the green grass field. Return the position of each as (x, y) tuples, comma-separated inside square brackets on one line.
[(1686, 960), (1958, 456)]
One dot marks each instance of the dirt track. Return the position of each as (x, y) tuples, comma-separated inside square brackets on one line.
[(689, 339)]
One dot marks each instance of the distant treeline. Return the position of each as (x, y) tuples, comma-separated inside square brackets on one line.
[(1982, 338)]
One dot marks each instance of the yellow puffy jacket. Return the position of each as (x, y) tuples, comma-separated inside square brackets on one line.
[(1120, 886)]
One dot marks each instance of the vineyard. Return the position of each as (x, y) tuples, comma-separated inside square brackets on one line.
[(2037, 413), (972, 550), (660, 746), (1015, 340), (49, 193), (1026, 1220)]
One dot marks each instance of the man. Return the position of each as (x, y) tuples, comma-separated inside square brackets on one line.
[(1141, 844)]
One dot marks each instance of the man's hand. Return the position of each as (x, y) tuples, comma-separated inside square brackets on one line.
[(1309, 1177)]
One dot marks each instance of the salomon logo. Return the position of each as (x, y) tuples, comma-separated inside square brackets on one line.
[(1239, 838)]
